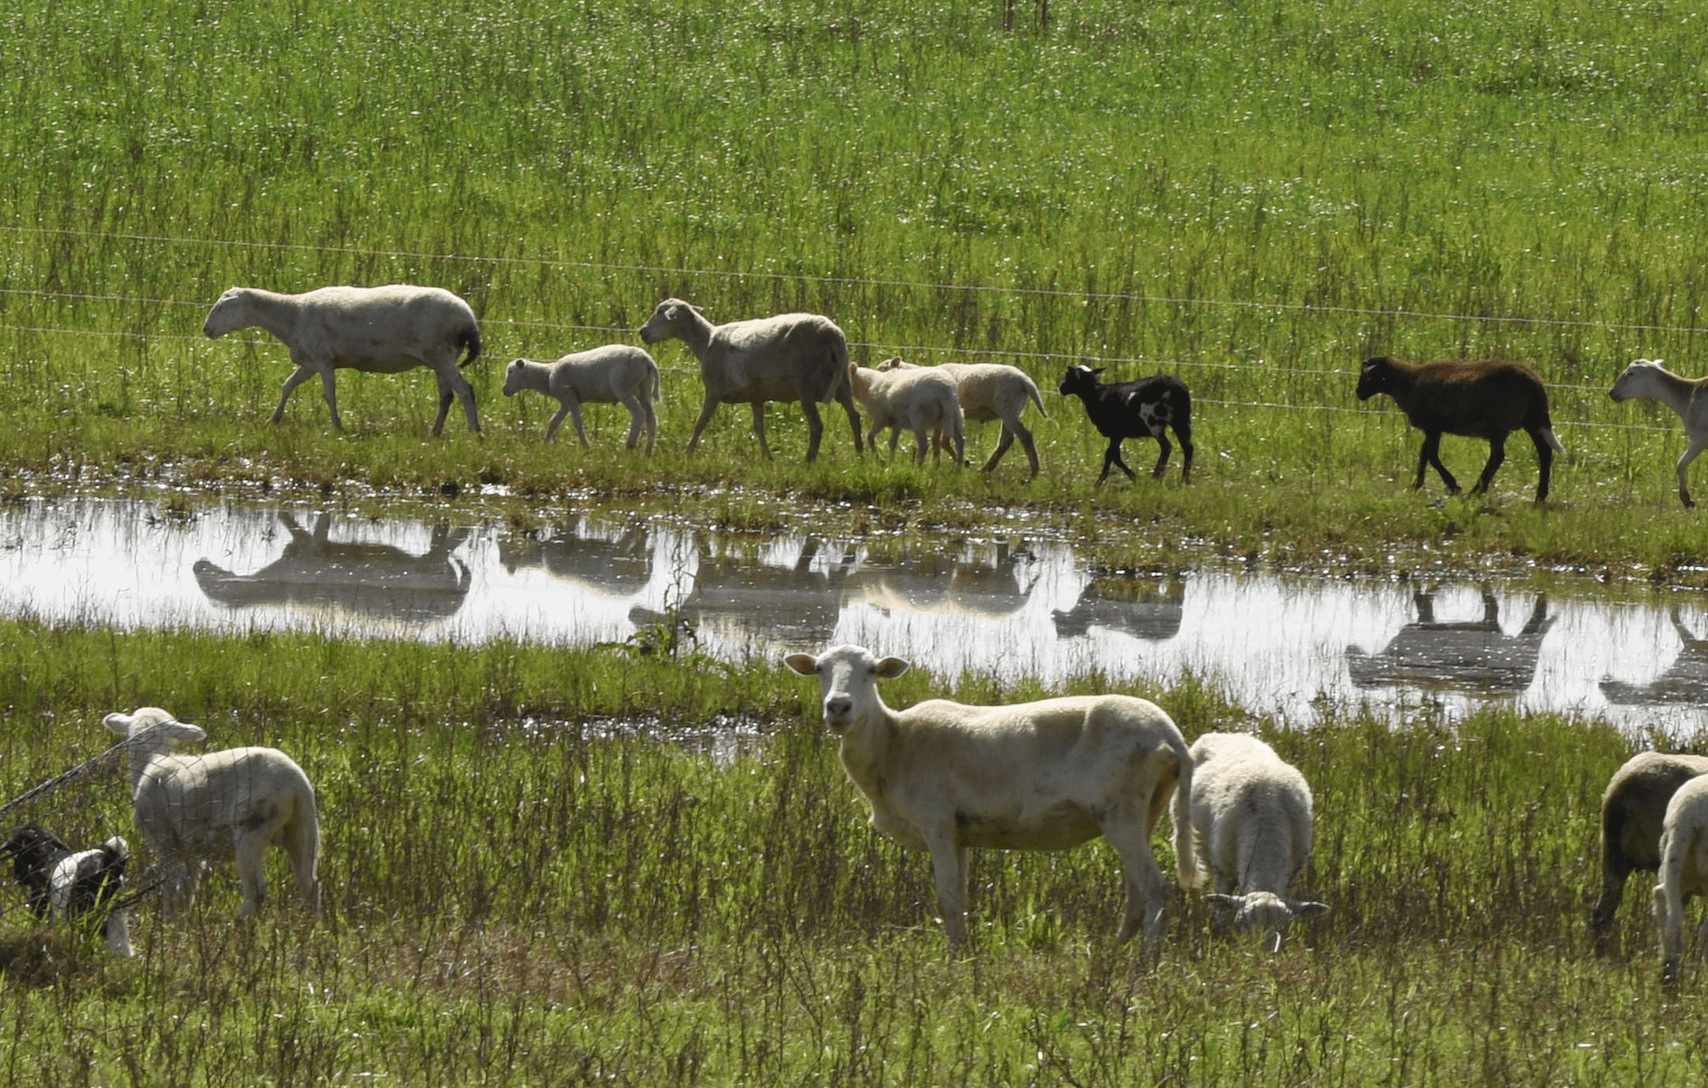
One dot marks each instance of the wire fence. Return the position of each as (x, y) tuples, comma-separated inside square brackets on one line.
[(1034, 360)]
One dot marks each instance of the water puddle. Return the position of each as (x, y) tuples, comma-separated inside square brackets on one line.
[(1282, 645)]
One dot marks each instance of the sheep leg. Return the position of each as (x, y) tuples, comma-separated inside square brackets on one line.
[(1696, 447), (706, 410), (628, 400), (301, 374), (1497, 457), (759, 431), (1144, 880), (1112, 456), (1431, 455), (329, 389), (1601, 919), (465, 393), (949, 867), (846, 399), (1184, 434), (815, 428), (556, 420), (252, 872), (1162, 458), (1005, 440), (572, 408)]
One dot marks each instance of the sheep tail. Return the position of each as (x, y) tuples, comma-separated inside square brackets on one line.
[(1548, 437), (469, 339), (1185, 853), (1032, 389)]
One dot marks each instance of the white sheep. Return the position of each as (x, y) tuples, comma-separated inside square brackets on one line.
[(991, 391), (613, 374), (1646, 379), (922, 400), (376, 330), (1045, 775), (790, 357), (193, 809), (1683, 871), (1251, 831), (1633, 811)]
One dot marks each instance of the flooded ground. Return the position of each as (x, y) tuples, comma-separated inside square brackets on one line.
[(1276, 644)]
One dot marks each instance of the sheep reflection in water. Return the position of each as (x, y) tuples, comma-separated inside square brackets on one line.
[(1471, 655)]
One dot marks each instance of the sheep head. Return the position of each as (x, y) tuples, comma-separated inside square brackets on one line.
[(1079, 380), (152, 732), (1267, 912)]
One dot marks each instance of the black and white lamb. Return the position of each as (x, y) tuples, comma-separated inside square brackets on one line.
[(64, 883)]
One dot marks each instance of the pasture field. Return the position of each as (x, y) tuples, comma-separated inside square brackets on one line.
[(544, 866), (547, 866), (1253, 196)]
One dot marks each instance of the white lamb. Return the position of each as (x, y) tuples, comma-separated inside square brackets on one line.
[(789, 357), (920, 399), (613, 374), (991, 391), (1684, 870), (376, 330), (194, 809), (1251, 830)]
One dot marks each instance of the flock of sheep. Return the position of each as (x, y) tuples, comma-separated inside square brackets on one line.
[(941, 776), (803, 358)]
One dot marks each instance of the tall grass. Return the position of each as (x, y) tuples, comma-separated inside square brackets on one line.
[(1253, 197), (538, 869)]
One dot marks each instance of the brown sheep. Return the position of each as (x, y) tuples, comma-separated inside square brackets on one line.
[(1488, 400)]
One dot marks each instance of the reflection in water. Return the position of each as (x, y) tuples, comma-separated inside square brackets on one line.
[(1472, 655), (1685, 681), (611, 566), (1007, 608), (317, 575), (1145, 608)]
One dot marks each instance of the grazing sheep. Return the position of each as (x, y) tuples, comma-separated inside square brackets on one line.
[(1633, 810), (613, 374), (1045, 775), (1146, 408), (1646, 379), (790, 357), (1683, 870), (923, 401), (1251, 829), (192, 809), (1486, 400), (991, 391), (376, 330), (65, 883)]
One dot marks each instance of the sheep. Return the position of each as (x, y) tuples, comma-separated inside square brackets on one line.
[(1251, 830), (1683, 870), (1145, 408), (191, 809), (376, 330), (1487, 400), (923, 401), (1045, 775), (1633, 810), (789, 357), (991, 391), (613, 374), (1646, 379), (64, 883)]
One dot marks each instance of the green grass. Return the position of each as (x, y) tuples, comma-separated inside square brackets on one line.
[(539, 868), (1253, 198)]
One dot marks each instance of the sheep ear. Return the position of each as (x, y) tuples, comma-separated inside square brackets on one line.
[(1095, 370), (118, 723), (1217, 899), (1310, 909), (891, 667), (805, 664), (697, 309)]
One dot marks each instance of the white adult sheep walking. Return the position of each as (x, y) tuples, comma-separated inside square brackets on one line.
[(1251, 830), (991, 391), (1684, 870), (194, 809), (613, 374), (376, 330), (1045, 775), (923, 401), (789, 357), (1647, 379)]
